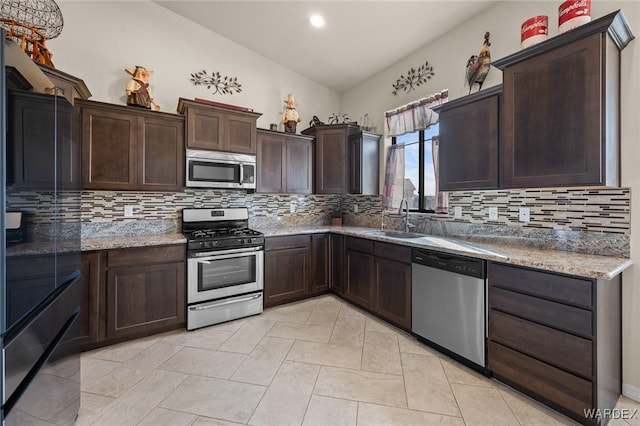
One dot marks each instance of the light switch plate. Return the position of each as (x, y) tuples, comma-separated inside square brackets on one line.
[(524, 214), (128, 211), (292, 207), (493, 213), (457, 212), (355, 208)]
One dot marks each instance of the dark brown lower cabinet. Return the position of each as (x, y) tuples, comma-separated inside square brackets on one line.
[(392, 300), (145, 290), (378, 278), (556, 337), (296, 267), (91, 279), (336, 262), (286, 269), (319, 281), (130, 293), (359, 273)]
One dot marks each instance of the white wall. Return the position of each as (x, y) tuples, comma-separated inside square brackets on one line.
[(102, 38), (449, 55)]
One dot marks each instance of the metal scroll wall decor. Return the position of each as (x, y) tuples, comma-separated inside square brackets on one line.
[(30, 23), (222, 85), (414, 78)]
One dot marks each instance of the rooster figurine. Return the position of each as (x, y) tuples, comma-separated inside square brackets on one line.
[(478, 66)]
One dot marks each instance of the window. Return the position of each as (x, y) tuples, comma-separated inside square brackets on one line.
[(419, 176)]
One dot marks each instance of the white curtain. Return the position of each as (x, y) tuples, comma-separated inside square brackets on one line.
[(415, 116), (394, 177)]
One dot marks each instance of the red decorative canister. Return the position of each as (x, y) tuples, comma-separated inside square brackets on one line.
[(534, 30), (573, 13)]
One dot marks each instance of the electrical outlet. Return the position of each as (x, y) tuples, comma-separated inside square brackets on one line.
[(355, 208), (493, 213), (128, 211), (292, 207), (524, 214), (457, 212)]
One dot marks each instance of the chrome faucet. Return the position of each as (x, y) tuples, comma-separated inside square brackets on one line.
[(405, 203)]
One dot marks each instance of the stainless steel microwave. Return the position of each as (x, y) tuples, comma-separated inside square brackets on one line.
[(216, 169)]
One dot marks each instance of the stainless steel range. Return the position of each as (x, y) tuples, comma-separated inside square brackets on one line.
[(225, 266)]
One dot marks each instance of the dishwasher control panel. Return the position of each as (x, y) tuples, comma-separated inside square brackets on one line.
[(450, 262)]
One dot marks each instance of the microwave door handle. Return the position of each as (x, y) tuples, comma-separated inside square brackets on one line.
[(241, 173)]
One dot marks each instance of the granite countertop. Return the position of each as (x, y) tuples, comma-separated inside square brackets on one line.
[(584, 265), (91, 244), (106, 243)]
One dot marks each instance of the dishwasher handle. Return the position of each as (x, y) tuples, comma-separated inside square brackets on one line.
[(450, 262)]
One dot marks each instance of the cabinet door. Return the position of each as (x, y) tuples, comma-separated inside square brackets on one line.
[(90, 303), (42, 128), (355, 164), (331, 161), (392, 299), (204, 128), (337, 260), (271, 163), (161, 156), (108, 154), (360, 277), (468, 151), (240, 133), (553, 117), (320, 259), (286, 273), (144, 299), (299, 166)]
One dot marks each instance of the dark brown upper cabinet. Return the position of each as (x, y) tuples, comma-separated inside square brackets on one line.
[(562, 108), (216, 128), (128, 148), (469, 141), (346, 159), (42, 130), (285, 163), (364, 163)]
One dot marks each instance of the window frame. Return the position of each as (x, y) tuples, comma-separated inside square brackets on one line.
[(421, 172)]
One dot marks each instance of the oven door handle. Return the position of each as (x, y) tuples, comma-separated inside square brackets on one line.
[(224, 302)]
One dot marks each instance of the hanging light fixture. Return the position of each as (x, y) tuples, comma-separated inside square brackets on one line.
[(30, 23)]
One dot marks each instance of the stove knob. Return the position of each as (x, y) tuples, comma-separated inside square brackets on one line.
[(210, 244), (241, 240), (248, 240), (202, 244), (214, 243)]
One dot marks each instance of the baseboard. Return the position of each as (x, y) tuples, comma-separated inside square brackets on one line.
[(630, 391)]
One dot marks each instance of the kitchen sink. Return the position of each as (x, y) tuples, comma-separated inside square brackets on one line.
[(395, 234)]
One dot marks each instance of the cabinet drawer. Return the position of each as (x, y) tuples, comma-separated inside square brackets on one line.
[(286, 242), (575, 291), (555, 386), (359, 244), (145, 255), (564, 317), (552, 346), (392, 252)]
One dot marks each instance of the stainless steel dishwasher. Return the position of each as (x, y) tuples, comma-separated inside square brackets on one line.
[(448, 304)]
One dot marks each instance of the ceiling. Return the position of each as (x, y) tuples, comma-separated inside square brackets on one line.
[(360, 38)]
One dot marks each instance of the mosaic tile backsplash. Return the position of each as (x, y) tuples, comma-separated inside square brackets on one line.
[(584, 220)]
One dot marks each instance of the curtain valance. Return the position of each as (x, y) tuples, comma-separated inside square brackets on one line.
[(416, 115)]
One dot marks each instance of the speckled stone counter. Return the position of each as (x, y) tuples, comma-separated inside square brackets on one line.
[(107, 243), (584, 265), (91, 244)]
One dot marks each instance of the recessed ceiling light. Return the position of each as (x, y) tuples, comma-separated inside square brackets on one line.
[(317, 21)]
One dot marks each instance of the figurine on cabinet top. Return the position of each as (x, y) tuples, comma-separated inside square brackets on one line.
[(138, 91), (290, 118)]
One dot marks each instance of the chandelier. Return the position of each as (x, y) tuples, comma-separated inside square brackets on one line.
[(30, 23)]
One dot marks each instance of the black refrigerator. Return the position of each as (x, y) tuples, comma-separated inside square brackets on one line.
[(40, 261)]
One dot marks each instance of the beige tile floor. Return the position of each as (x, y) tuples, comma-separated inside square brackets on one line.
[(317, 362)]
